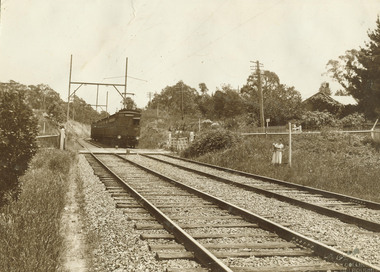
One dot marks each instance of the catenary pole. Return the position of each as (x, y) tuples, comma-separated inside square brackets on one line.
[(68, 96), (125, 85)]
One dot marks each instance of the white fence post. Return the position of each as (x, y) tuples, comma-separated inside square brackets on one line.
[(62, 139)]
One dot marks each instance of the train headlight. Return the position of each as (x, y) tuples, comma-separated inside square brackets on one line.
[(119, 137), (137, 138)]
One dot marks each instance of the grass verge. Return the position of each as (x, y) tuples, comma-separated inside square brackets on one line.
[(347, 164), (30, 227)]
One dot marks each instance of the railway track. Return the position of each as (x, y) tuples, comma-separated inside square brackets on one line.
[(363, 213), (348, 237), (220, 235)]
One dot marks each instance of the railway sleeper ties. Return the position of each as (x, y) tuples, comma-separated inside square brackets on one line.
[(320, 249), (351, 265), (367, 203), (200, 253), (321, 209), (194, 250), (245, 250)]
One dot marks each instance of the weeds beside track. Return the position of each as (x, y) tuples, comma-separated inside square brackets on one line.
[(30, 227), (346, 164)]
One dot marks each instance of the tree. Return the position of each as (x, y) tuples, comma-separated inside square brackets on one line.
[(179, 99), (325, 88), (341, 70), (83, 112), (203, 88), (281, 103), (359, 74), (204, 101), (227, 102), (18, 130), (130, 104)]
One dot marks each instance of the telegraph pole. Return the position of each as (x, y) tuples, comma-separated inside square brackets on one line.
[(182, 101), (150, 96), (261, 98)]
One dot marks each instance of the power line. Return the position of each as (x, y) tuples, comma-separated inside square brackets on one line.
[(124, 77)]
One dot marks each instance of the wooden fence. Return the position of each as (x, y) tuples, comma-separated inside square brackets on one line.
[(48, 141), (179, 143)]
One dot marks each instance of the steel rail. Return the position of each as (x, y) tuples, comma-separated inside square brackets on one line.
[(91, 142), (369, 225), (367, 203), (203, 255), (326, 252)]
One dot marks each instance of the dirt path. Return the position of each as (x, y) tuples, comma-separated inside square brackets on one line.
[(73, 258)]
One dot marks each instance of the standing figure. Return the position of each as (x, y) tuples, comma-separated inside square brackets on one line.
[(277, 153)]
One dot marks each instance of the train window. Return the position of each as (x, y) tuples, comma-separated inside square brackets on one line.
[(136, 121)]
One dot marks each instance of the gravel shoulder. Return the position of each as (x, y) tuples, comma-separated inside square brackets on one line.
[(73, 258), (113, 243)]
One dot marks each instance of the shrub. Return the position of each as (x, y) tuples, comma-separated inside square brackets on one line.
[(18, 130), (355, 120), (318, 120), (58, 162), (210, 141)]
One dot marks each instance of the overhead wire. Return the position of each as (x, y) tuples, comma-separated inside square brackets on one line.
[(224, 35)]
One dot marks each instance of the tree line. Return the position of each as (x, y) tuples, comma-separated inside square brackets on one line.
[(281, 103), (43, 98), (19, 127), (357, 72)]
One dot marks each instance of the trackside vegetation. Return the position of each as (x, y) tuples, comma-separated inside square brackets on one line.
[(30, 226), (211, 141), (18, 130), (342, 163)]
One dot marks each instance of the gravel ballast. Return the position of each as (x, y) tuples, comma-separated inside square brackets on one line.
[(360, 243), (113, 243)]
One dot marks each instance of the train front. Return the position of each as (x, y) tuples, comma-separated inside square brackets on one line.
[(128, 128)]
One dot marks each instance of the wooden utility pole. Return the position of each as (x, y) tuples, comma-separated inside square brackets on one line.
[(290, 144), (261, 98), (150, 96), (182, 100)]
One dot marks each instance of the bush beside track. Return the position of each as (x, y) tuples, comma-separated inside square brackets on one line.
[(211, 141), (30, 227)]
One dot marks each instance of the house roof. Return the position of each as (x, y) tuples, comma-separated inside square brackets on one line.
[(345, 100)]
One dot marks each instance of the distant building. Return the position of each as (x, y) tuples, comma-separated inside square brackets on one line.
[(323, 102)]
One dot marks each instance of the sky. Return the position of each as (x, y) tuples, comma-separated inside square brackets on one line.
[(198, 41)]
